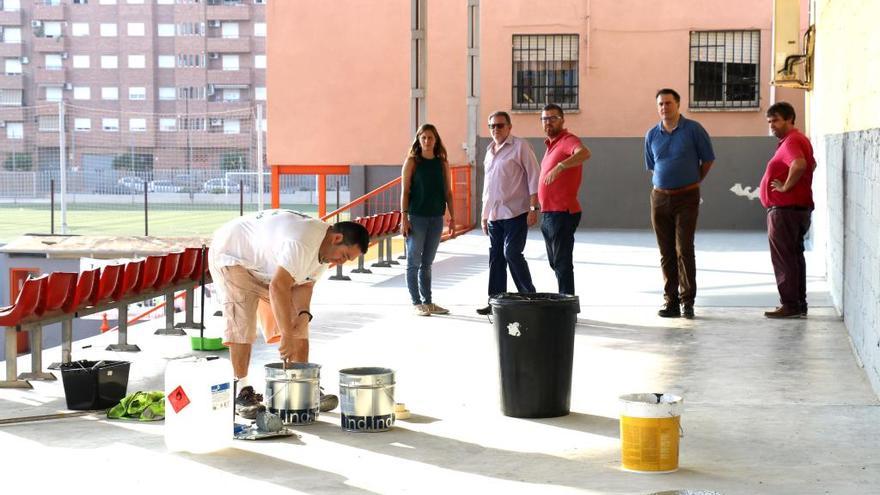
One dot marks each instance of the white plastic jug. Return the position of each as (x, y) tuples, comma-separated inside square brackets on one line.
[(198, 404)]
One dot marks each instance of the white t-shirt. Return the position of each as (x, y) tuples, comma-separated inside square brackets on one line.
[(261, 242)]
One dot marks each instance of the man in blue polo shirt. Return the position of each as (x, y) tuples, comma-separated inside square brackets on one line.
[(679, 153)]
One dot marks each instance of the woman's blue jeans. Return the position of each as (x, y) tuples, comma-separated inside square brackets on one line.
[(421, 247)]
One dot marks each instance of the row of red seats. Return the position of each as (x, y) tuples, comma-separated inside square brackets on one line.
[(381, 224), (66, 293)]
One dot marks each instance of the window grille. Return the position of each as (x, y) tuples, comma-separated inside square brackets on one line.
[(724, 69), (545, 70)]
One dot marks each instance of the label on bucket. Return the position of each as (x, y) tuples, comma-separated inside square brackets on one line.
[(178, 399), (220, 397), (296, 416), (367, 423)]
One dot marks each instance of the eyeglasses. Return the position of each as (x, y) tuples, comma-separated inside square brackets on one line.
[(550, 118), (497, 126)]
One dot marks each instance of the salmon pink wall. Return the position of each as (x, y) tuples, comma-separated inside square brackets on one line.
[(447, 72), (628, 50), (339, 71), (338, 81)]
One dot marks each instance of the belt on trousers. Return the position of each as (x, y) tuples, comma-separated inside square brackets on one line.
[(673, 192), (795, 208)]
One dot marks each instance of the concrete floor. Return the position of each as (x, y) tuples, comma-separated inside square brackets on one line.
[(771, 407)]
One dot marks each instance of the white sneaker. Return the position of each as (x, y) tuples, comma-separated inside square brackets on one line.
[(437, 310), (422, 309)]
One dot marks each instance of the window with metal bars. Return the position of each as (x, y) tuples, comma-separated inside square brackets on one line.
[(724, 68), (545, 70)]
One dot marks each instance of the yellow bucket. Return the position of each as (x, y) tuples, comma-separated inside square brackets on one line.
[(649, 432)]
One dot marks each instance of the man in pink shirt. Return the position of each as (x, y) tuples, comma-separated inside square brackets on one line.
[(561, 171), (510, 206), (786, 192)]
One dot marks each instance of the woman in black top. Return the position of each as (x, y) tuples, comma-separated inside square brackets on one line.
[(426, 184)]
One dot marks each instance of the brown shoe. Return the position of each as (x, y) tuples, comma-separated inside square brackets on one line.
[(783, 312)]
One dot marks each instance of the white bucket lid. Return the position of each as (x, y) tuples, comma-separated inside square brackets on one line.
[(650, 405)]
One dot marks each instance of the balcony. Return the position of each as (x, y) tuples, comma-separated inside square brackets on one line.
[(228, 13), (49, 45), (229, 45), (11, 113), (14, 81), (10, 17), (225, 106), (45, 12), (241, 76), (50, 77), (45, 107), (10, 50)]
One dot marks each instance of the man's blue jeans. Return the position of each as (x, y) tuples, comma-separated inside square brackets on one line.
[(421, 247), (558, 228), (507, 239)]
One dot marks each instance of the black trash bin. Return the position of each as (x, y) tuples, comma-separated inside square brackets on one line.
[(535, 350), (90, 385)]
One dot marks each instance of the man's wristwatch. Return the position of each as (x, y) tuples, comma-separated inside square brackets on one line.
[(535, 208), (304, 312)]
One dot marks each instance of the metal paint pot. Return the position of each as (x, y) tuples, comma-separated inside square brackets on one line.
[(366, 398), (293, 391)]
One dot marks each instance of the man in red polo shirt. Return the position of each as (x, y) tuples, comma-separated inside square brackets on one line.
[(786, 192), (558, 184)]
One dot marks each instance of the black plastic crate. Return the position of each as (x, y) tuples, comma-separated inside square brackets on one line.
[(92, 385)]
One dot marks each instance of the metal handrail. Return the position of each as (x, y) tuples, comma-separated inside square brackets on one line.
[(396, 181), (375, 192)]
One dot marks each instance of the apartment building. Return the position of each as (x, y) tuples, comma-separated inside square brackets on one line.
[(170, 82)]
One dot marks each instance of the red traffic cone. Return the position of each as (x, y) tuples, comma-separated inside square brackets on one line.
[(105, 325)]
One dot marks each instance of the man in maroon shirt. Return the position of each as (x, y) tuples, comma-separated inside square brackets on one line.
[(786, 192), (558, 184)]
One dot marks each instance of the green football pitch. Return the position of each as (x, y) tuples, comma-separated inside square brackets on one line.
[(114, 219)]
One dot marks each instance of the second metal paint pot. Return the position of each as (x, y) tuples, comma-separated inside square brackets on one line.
[(366, 397), (294, 392)]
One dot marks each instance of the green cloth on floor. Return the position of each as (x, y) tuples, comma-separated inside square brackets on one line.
[(143, 406)]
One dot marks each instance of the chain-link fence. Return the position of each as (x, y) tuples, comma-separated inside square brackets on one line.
[(130, 173)]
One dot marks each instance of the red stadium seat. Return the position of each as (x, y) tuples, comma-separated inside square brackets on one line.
[(86, 287), (130, 278), (186, 265), (167, 270), (57, 290), (25, 304), (151, 270), (395, 221), (111, 277), (387, 218), (197, 271), (368, 223), (373, 225)]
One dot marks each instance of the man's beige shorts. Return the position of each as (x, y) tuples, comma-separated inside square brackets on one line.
[(247, 299)]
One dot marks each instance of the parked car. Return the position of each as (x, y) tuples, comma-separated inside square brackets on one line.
[(132, 183), (112, 189), (187, 183), (221, 185), (162, 186)]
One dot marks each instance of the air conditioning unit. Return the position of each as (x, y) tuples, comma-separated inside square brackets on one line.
[(64, 55), (214, 56), (792, 64), (216, 122), (214, 24), (2, 123), (68, 86), (25, 60), (210, 89), (35, 23)]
